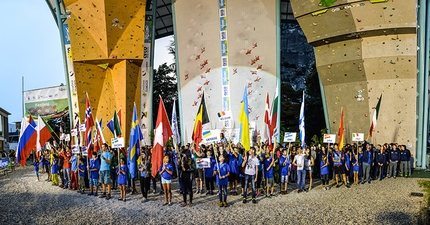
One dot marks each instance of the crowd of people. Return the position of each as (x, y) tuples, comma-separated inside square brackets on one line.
[(229, 167)]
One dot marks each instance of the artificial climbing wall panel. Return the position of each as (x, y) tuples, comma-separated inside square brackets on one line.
[(109, 89), (222, 47), (107, 51), (364, 50)]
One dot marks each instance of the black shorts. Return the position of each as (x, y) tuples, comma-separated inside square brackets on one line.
[(198, 173), (233, 177), (242, 182), (339, 170)]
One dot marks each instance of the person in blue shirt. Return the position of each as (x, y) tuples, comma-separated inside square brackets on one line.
[(324, 170), (45, 164), (233, 158), (355, 163), (166, 171), (222, 171), (268, 174), (394, 157), (368, 157), (94, 168), (81, 172), (284, 162), (74, 172), (380, 158), (122, 179), (209, 178), (105, 176), (36, 169), (405, 157)]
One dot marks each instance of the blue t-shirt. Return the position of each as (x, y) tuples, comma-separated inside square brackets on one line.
[(284, 169), (104, 165), (45, 161), (347, 161), (36, 166), (223, 170), (54, 167), (94, 164), (324, 170), (83, 168), (232, 162), (267, 162), (165, 174), (122, 178), (74, 162), (210, 171)]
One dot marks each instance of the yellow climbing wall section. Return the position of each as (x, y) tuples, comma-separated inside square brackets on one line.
[(107, 46), (363, 50)]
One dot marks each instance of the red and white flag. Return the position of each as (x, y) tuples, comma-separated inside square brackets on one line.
[(162, 133), (89, 123)]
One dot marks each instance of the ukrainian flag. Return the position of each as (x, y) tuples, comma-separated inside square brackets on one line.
[(244, 120)]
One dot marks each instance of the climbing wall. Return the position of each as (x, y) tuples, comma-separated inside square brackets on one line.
[(223, 46), (363, 50), (107, 51)]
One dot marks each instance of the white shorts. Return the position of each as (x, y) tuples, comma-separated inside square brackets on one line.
[(164, 181), (284, 179)]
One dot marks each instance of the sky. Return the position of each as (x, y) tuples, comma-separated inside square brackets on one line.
[(30, 47)]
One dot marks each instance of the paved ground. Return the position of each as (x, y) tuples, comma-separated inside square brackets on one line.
[(24, 201)]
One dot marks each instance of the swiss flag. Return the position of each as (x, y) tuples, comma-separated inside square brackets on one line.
[(163, 132)]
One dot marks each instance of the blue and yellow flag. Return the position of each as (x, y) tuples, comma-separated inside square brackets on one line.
[(134, 146), (244, 120)]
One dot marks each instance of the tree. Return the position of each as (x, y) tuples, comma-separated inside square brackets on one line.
[(164, 85), (314, 109)]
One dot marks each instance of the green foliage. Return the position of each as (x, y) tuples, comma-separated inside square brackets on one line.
[(327, 3), (164, 85), (425, 212)]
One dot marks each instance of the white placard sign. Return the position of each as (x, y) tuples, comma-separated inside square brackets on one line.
[(357, 136), (74, 132), (75, 149), (67, 137), (117, 142), (329, 138), (82, 127), (290, 136)]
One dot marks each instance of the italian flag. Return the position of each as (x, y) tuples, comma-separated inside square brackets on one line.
[(375, 116)]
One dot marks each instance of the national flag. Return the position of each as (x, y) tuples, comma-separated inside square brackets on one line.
[(44, 133), (89, 123), (162, 133), (99, 139), (267, 121), (175, 129), (340, 132), (134, 146), (244, 120), (114, 124), (302, 122), (375, 116), (201, 119), (274, 114), (27, 140)]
